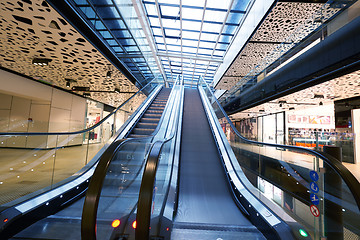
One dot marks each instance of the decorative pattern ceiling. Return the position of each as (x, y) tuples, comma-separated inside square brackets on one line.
[(282, 21), (344, 87), (32, 29)]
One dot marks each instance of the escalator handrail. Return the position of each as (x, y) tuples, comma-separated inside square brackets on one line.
[(89, 216), (144, 206), (80, 131), (335, 164)]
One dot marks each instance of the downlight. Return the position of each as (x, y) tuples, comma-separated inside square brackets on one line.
[(41, 61)]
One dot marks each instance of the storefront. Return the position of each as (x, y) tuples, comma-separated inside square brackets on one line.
[(95, 112)]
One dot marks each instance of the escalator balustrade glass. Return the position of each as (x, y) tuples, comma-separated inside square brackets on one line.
[(305, 187)]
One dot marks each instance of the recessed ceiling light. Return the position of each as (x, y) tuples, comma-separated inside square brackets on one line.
[(41, 61)]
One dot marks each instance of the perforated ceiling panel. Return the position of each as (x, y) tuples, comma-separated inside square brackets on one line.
[(282, 21), (340, 88), (32, 29)]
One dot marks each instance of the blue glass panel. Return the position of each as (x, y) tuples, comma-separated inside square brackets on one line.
[(121, 34), (230, 29), (225, 39), (118, 49), (88, 11), (112, 42), (107, 12), (99, 25), (240, 4), (115, 24), (234, 17), (105, 34), (81, 2)]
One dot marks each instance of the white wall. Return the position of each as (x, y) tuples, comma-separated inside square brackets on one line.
[(355, 114), (30, 106)]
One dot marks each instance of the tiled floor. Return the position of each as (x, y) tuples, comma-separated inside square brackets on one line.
[(23, 171)]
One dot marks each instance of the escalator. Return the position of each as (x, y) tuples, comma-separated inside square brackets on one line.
[(149, 121), (218, 187), (190, 180), (66, 223)]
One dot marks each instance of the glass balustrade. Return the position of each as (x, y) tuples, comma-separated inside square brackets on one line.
[(305, 186), (32, 163)]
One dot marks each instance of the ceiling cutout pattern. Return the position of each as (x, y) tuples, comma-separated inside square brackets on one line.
[(344, 87), (283, 21), (32, 29)]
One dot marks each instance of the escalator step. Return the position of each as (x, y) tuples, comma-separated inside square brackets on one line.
[(156, 108), (146, 125), (149, 120), (152, 115), (154, 111), (142, 131), (136, 135)]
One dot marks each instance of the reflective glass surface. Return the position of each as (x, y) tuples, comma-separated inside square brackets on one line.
[(32, 163), (308, 191), (117, 23)]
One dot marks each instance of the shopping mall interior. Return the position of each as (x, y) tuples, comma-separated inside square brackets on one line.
[(180, 119)]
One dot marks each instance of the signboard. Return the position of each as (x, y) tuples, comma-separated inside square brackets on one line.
[(315, 211), (314, 199), (314, 187), (314, 176)]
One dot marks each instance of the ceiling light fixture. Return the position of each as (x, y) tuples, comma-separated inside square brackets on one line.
[(69, 81), (41, 61), (108, 74), (82, 89), (318, 96)]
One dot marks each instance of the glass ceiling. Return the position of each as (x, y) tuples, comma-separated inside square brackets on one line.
[(191, 37)]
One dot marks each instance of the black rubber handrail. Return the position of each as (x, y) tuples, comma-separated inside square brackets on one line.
[(76, 132), (340, 169), (143, 216)]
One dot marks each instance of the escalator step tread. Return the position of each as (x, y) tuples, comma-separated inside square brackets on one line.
[(137, 135)]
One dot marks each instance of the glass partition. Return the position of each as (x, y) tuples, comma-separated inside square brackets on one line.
[(31, 163), (299, 185)]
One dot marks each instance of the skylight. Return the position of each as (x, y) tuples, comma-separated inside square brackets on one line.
[(192, 37)]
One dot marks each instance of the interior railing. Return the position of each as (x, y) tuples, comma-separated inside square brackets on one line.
[(300, 185), (35, 162), (110, 202)]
